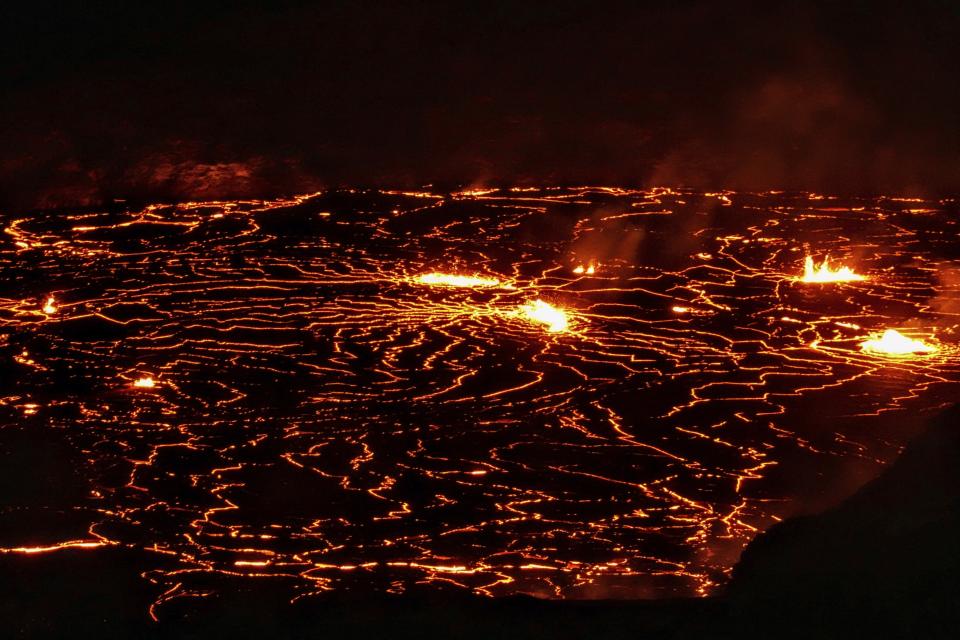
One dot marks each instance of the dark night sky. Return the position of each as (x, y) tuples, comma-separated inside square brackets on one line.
[(191, 99)]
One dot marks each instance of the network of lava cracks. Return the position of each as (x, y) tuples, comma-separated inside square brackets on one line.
[(564, 392)]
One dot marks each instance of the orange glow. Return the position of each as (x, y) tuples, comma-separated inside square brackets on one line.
[(475, 192), (825, 273), (71, 544), (894, 343), (545, 313), (411, 340), (452, 280)]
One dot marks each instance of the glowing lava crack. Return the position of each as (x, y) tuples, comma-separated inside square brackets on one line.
[(564, 392)]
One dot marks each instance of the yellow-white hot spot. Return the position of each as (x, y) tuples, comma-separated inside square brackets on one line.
[(825, 273), (545, 313), (894, 343), (453, 280), (146, 382)]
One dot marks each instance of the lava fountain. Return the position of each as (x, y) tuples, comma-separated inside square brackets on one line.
[(545, 313), (825, 273), (894, 343)]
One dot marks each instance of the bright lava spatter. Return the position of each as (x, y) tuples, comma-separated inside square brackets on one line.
[(50, 306), (546, 314), (376, 391), (826, 273), (894, 343)]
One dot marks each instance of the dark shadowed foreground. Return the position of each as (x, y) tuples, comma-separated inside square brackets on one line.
[(881, 564)]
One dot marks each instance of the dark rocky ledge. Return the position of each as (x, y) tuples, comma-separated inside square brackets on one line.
[(886, 560), (882, 564)]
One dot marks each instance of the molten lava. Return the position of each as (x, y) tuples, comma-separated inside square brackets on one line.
[(825, 273), (50, 306), (504, 425), (545, 313), (452, 280), (589, 270), (894, 343)]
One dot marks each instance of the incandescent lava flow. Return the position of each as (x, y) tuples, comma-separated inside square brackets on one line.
[(377, 391)]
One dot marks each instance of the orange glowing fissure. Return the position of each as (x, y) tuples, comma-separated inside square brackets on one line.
[(59, 546)]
